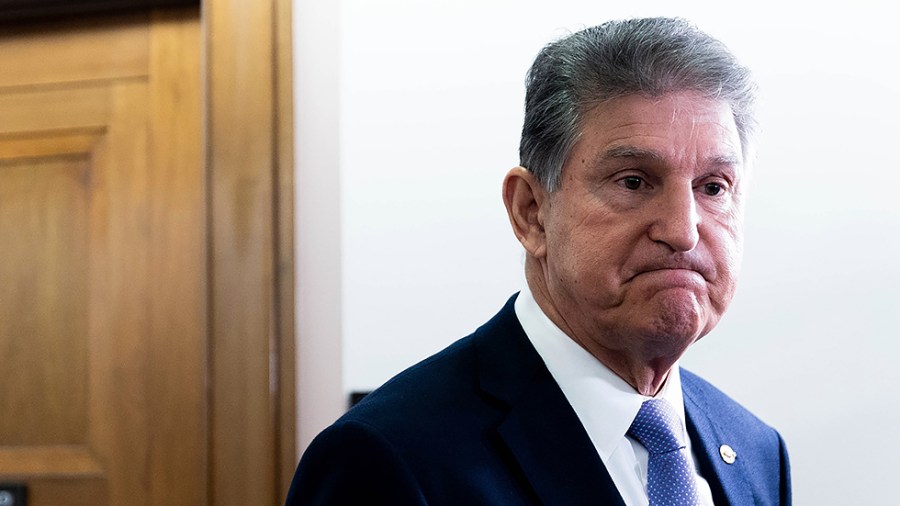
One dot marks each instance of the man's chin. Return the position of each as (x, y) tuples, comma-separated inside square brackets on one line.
[(676, 318)]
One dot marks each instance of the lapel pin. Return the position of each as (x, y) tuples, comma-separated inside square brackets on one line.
[(728, 454)]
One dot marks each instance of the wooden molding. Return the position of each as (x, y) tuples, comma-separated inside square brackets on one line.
[(250, 163), (285, 274), (20, 10)]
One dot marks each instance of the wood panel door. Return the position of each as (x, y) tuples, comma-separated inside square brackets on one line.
[(103, 262)]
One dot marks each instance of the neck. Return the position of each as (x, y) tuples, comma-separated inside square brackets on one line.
[(643, 369)]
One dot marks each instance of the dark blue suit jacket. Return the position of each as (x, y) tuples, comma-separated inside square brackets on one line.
[(483, 422)]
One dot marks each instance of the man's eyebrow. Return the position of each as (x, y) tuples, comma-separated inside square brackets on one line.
[(635, 152), (630, 152), (724, 161)]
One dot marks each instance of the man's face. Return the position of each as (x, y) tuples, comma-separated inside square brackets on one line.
[(644, 234)]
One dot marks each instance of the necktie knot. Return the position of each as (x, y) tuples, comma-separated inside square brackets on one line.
[(657, 427)]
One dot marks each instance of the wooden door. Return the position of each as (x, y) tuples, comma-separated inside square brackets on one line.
[(103, 262)]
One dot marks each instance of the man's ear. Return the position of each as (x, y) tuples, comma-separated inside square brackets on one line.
[(524, 196)]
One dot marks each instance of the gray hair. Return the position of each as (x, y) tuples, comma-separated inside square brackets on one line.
[(652, 57)]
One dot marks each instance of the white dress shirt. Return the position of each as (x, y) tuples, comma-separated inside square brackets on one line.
[(604, 402)]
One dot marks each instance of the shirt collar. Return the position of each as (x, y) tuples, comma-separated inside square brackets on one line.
[(604, 402)]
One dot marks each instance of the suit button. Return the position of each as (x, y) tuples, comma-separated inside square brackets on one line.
[(728, 454)]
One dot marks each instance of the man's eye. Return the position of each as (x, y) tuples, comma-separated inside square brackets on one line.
[(632, 182), (713, 189)]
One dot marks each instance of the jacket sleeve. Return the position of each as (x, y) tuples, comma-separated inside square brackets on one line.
[(353, 463), (785, 473)]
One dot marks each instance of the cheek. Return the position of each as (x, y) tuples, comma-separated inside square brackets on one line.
[(573, 257), (727, 251), (586, 255), (734, 239)]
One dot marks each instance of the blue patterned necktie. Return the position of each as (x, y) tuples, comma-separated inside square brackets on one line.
[(670, 473)]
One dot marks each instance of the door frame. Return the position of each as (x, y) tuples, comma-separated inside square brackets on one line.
[(250, 162)]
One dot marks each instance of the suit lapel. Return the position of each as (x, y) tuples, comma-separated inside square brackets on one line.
[(555, 453), (726, 481), (541, 430)]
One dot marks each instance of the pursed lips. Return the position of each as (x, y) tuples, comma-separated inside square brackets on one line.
[(688, 266)]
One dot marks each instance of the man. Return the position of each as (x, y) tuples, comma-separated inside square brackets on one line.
[(629, 205)]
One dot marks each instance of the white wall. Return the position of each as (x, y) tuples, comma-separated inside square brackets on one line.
[(320, 391), (408, 117)]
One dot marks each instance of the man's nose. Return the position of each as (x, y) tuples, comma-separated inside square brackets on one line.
[(676, 221)]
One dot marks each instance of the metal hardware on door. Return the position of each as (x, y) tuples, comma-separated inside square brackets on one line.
[(13, 494)]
